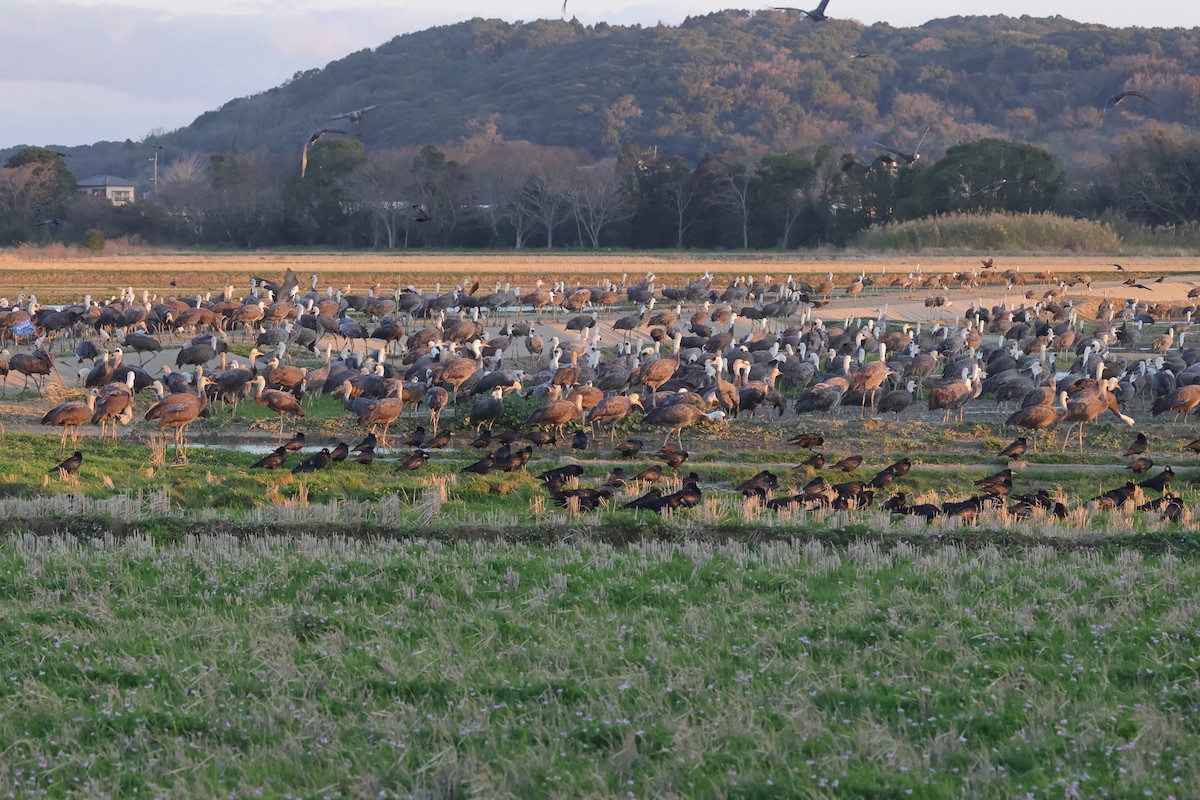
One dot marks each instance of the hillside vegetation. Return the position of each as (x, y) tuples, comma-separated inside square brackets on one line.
[(735, 79)]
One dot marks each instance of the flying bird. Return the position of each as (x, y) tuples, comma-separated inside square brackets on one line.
[(816, 15), (996, 186), (1120, 97), (908, 158), (315, 137), (356, 115)]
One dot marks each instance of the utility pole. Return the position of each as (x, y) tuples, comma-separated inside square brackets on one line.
[(157, 147)]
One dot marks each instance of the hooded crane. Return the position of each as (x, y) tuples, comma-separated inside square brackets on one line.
[(816, 15), (315, 137), (488, 410)]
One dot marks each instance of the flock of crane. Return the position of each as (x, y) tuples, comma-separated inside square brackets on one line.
[(614, 354)]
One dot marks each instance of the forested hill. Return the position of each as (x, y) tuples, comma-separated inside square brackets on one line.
[(735, 80)]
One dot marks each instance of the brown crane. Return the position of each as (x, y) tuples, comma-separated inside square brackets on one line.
[(677, 417), (37, 364), (282, 403), (71, 415), (612, 410), (114, 403), (179, 411), (870, 377), (558, 413), (1090, 404), (384, 411), (1038, 418)]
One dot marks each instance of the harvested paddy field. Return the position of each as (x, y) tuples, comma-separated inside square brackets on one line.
[(905, 603)]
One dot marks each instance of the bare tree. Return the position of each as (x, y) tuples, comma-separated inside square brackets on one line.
[(27, 193), (680, 192), (732, 179), (381, 186), (597, 198), (498, 176)]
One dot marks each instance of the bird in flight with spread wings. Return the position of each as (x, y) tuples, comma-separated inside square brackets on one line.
[(356, 115), (315, 137), (816, 15), (1120, 97), (996, 186), (908, 158)]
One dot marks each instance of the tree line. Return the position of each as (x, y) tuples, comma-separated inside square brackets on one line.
[(486, 192)]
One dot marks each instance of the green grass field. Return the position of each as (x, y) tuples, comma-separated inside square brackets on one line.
[(329, 667)]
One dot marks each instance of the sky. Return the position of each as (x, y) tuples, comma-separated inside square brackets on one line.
[(76, 72)]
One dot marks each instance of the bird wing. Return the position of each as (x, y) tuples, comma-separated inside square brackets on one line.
[(821, 8), (894, 151)]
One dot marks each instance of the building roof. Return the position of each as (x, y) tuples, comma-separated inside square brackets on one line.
[(104, 180)]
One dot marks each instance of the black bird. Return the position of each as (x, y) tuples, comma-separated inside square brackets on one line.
[(649, 475), (616, 478), (366, 455), (1120, 97), (651, 500), (1016, 450), (542, 438), (1139, 447), (369, 441), (69, 465), (317, 461), (508, 437), (484, 439), (481, 467), (340, 452), (413, 461), (579, 441), (315, 137), (1116, 498), (416, 438), (562, 473), (808, 440), (816, 15), (587, 498), (1118, 266), (295, 443), (760, 485), (1159, 483), (672, 456), (816, 461), (273, 460), (849, 464), (1193, 445), (437, 441), (514, 461), (630, 447), (1140, 464), (996, 479)]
